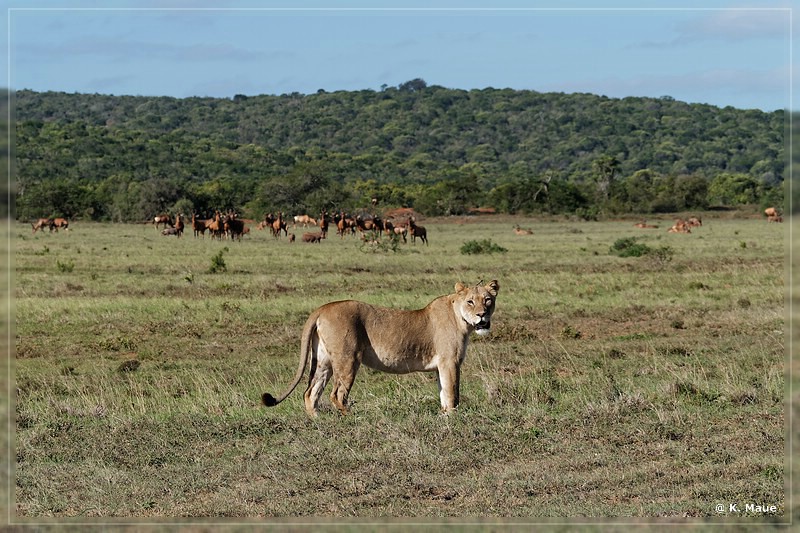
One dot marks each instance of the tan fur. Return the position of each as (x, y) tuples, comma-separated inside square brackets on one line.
[(41, 224), (522, 231), (339, 336)]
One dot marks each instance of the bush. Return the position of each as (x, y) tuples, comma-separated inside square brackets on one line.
[(218, 262), (628, 247), (486, 246)]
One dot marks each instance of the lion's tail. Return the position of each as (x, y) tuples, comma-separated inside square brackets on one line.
[(305, 348)]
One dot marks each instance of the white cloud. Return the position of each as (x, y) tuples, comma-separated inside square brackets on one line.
[(736, 24)]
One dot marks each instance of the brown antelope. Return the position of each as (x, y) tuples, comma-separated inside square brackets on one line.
[(323, 223), (163, 219), (62, 223), (234, 227), (417, 231), (179, 225), (215, 228), (199, 226), (41, 224), (278, 225)]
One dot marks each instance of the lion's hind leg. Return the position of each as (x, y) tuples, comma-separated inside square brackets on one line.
[(321, 371), (344, 374)]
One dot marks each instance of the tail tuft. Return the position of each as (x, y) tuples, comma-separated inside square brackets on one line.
[(268, 400)]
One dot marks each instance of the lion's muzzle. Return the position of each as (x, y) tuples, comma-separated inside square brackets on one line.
[(482, 327)]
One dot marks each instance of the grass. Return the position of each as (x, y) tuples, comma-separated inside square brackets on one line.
[(610, 387)]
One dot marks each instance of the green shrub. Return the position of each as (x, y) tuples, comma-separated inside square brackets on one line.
[(628, 247), (218, 262), (485, 246)]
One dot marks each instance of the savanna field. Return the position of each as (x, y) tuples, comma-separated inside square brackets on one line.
[(626, 388)]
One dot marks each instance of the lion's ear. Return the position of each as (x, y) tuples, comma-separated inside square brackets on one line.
[(460, 286), (493, 287)]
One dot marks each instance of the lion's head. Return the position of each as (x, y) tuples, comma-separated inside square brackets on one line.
[(476, 305)]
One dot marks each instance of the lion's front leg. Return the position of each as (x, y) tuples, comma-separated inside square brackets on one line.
[(449, 384)]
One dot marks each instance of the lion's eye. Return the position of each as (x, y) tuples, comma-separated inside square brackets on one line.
[(487, 302), (470, 302)]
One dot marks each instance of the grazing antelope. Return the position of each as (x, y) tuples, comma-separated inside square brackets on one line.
[(42, 223)]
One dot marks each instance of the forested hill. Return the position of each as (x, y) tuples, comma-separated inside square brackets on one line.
[(440, 150)]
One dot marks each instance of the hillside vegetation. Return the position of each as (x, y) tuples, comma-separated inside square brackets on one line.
[(439, 150)]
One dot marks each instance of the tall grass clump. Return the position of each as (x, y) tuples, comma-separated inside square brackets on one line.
[(65, 267)]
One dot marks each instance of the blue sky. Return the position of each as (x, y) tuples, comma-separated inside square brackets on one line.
[(717, 52)]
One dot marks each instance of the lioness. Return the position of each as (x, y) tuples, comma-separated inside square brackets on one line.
[(340, 336)]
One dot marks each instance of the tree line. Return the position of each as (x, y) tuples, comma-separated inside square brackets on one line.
[(441, 151)]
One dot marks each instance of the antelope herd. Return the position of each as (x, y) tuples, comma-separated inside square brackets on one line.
[(230, 226), (371, 227)]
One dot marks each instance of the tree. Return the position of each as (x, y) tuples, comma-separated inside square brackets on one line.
[(411, 86), (605, 168), (691, 192), (733, 189), (640, 190)]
